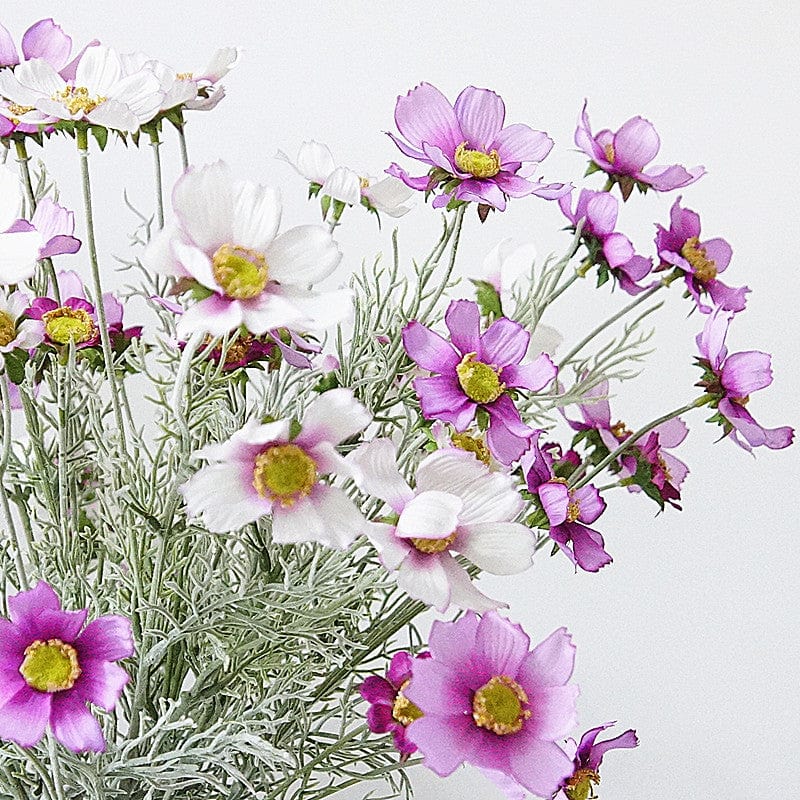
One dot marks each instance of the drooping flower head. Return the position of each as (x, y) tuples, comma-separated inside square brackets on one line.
[(272, 469), (457, 505), (223, 245), (51, 667), (488, 701), (477, 370), (389, 709), (588, 758), (611, 251), (624, 156), (700, 262), (730, 380), (472, 155)]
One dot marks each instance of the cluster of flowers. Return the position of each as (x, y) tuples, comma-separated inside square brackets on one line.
[(473, 504)]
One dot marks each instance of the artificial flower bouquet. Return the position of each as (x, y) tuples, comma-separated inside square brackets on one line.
[(221, 527)]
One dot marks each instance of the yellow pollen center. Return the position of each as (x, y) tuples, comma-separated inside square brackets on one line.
[(50, 666), (620, 430), (363, 183), (480, 382), (472, 444), (704, 268), (403, 710), (284, 473), (76, 99), (184, 76), (664, 469), (741, 401), (67, 324), (434, 545), (476, 162), (241, 273), (236, 351), (8, 329), (610, 154), (18, 110), (579, 786), (499, 704)]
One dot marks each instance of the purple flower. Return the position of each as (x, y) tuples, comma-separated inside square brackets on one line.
[(611, 251), (701, 262), (730, 380), (625, 154), (488, 701), (50, 669), (476, 370), (588, 757), (390, 711), (473, 157)]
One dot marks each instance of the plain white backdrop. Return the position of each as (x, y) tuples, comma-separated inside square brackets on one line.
[(691, 636)]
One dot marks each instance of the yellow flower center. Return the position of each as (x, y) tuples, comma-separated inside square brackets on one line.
[(704, 268), (284, 473), (472, 444), (76, 99), (403, 710), (665, 469), (480, 382), (741, 401), (184, 76), (579, 786), (50, 666), (610, 154), (67, 324), (17, 110), (620, 430), (241, 273), (8, 328), (434, 545), (363, 183), (476, 162), (573, 506), (499, 704)]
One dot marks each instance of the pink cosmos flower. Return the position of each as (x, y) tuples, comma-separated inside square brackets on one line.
[(263, 469), (487, 701), (588, 758), (611, 251), (50, 669), (223, 244), (701, 262), (15, 332), (477, 370), (625, 154), (472, 156), (389, 709), (457, 505), (19, 243), (730, 380)]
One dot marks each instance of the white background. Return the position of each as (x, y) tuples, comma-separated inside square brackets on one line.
[(691, 636)]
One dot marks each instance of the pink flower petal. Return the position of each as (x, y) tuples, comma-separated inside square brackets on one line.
[(107, 638), (429, 350), (541, 767), (24, 605), (101, 682), (551, 662), (24, 716), (505, 342), (519, 143), (425, 115), (74, 726), (480, 114), (636, 143)]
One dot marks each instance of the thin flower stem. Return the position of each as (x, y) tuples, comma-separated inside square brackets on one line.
[(38, 767), (561, 289), (184, 151), (609, 185), (108, 356), (190, 348), (155, 143), (451, 264), (55, 767), (367, 776)]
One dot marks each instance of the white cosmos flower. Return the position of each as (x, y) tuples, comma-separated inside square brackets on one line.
[(19, 243), (13, 334), (225, 238), (315, 163), (458, 505), (261, 470), (100, 94)]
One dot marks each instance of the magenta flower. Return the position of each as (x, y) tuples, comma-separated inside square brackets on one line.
[(730, 380), (588, 757), (487, 701), (390, 711), (701, 262), (476, 370), (50, 669), (625, 154), (611, 251), (473, 157)]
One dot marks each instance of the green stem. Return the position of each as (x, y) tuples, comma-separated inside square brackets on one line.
[(184, 151), (55, 767), (367, 776), (451, 264), (609, 185), (155, 143)]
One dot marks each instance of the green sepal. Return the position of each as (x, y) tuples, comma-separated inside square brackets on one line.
[(482, 418), (100, 133), (487, 298), (294, 429), (592, 168), (15, 365)]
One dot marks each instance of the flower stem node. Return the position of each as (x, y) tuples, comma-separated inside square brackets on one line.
[(480, 382), (50, 666), (476, 162), (581, 785), (498, 706), (65, 324), (284, 473), (242, 273)]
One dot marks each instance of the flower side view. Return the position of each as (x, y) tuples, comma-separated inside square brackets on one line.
[(19, 242), (488, 701), (457, 505), (263, 469), (51, 667), (477, 370), (472, 155), (16, 332), (625, 154), (729, 380)]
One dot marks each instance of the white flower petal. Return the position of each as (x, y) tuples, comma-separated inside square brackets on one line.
[(256, 215), (429, 515), (141, 93), (158, 256), (204, 201), (391, 549), (463, 592), (196, 264), (423, 578), (110, 114), (214, 315), (375, 472), (18, 255), (297, 523), (490, 498), (501, 548), (302, 256), (343, 184), (314, 161), (271, 310), (222, 62), (343, 521), (98, 70), (35, 78), (318, 310), (449, 470), (390, 196), (333, 416), (10, 197)]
